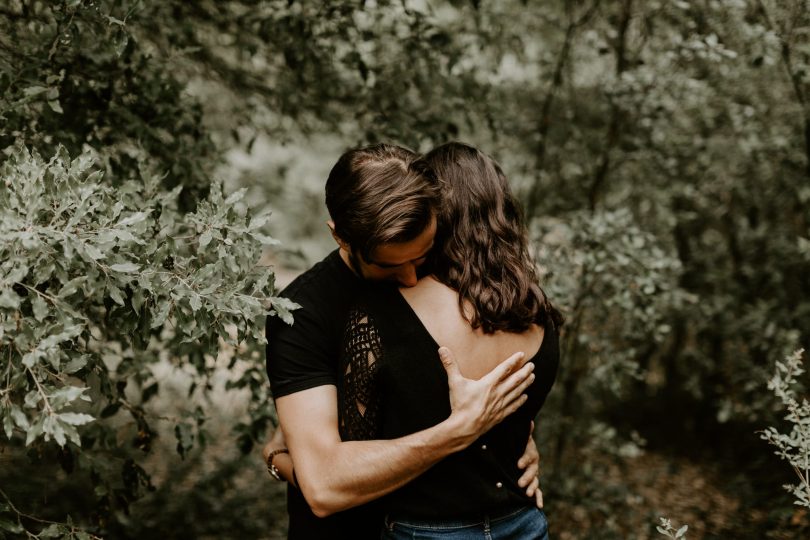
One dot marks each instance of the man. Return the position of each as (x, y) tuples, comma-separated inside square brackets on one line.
[(382, 207)]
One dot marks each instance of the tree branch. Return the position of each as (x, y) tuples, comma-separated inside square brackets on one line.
[(795, 78), (614, 127), (548, 102)]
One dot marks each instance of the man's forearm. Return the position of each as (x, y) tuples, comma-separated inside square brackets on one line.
[(356, 472)]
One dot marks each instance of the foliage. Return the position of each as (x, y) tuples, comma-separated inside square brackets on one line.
[(616, 285), (660, 148), (667, 529), (795, 446), (99, 284), (76, 74)]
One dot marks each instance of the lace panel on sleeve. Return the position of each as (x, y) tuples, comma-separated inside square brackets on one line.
[(359, 396)]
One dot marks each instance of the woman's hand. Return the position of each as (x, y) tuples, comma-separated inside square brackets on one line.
[(282, 462), (529, 462)]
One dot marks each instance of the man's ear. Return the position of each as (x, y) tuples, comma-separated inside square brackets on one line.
[(340, 242)]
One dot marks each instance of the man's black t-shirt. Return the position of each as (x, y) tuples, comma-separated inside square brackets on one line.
[(306, 355), (393, 384)]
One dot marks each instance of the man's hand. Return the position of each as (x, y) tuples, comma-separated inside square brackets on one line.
[(530, 463), (477, 406)]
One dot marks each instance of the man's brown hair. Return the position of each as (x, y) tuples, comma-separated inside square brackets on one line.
[(380, 194)]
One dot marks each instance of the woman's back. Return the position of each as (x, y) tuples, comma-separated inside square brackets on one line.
[(437, 307)]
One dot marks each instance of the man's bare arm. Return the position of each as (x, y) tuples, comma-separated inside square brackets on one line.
[(335, 475)]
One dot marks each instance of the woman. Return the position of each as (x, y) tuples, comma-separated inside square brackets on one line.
[(483, 302)]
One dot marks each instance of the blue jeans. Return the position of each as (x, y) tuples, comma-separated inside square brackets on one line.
[(524, 524)]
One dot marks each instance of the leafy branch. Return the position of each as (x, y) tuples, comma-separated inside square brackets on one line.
[(795, 446)]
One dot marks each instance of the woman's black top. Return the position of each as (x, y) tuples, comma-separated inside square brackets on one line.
[(394, 384)]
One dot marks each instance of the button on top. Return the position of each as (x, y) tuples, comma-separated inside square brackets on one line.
[(499, 485), (483, 447)]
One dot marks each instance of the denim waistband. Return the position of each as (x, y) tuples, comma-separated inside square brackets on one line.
[(455, 523)]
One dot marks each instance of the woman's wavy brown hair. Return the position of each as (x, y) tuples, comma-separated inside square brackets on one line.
[(482, 245)]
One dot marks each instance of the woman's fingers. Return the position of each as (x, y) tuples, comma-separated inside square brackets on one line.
[(528, 475), (534, 486), (538, 498)]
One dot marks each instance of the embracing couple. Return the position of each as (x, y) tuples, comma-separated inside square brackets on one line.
[(424, 347)]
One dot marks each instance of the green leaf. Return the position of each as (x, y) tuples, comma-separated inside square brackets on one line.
[(68, 332), (54, 530), (31, 399), (126, 267), (195, 302), (93, 252), (116, 295), (55, 106), (137, 300), (19, 417), (34, 90), (258, 221), (9, 299), (75, 364), (39, 307), (75, 419), (134, 218), (205, 238), (34, 431), (160, 314), (8, 425), (68, 394), (30, 359), (71, 286), (235, 196), (265, 240), (10, 526), (55, 430), (282, 307)]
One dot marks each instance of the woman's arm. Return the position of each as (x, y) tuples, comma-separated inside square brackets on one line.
[(281, 461)]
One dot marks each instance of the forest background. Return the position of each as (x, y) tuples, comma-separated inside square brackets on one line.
[(154, 154)]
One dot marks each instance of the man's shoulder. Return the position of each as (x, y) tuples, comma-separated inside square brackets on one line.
[(323, 277), (324, 294)]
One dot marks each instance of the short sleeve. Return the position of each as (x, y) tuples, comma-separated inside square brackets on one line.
[(359, 400), (299, 356)]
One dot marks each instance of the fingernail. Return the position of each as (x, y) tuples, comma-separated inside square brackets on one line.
[(442, 351)]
